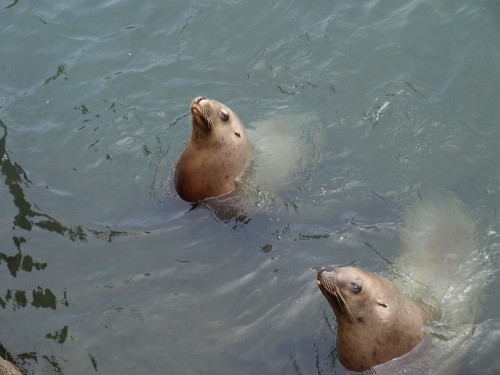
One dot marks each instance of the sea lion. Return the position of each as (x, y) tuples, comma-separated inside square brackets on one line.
[(216, 155), (8, 368), (375, 321), (440, 265)]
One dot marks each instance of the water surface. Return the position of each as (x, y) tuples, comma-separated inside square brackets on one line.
[(104, 269)]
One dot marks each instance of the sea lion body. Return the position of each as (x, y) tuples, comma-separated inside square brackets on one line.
[(376, 322), (8, 368), (216, 155)]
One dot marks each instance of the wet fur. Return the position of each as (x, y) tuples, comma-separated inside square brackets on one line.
[(216, 155), (374, 325)]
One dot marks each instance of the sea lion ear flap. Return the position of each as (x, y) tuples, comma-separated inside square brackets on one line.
[(383, 311)]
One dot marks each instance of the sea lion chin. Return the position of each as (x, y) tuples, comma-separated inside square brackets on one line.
[(375, 321), (215, 156)]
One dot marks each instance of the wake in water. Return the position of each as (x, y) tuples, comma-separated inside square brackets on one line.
[(441, 266)]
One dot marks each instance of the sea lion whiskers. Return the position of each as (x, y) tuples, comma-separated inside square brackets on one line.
[(334, 290), (207, 115), (342, 302)]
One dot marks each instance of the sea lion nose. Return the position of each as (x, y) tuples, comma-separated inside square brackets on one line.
[(199, 99), (323, 269), (326, 269)]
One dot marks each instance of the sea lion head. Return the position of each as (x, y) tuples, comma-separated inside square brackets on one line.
[(376, 323), (354, 293), (215, 156), (211, 118)]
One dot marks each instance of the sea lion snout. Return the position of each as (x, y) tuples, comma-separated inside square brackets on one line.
[(202, 113), (198, 99), (326, 279), (326, 269), (326, 273)]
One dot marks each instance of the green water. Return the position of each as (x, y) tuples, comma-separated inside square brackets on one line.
[(104, 269)]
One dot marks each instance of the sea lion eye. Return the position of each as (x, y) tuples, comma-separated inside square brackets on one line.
[(224, 114), (356, 288)]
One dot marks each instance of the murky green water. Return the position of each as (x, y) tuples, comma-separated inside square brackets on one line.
[(104, 269)]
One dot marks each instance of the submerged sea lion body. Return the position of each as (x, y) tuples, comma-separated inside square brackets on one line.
[(216, 155), (375, 321)]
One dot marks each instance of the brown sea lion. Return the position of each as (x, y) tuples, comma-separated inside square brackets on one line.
[(216, 155), (375, 321), (7, 368)]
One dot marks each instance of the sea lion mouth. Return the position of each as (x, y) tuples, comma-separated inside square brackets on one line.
[(201, 114)]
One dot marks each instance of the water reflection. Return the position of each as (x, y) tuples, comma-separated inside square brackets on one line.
[(59, 336), (22, 359), (41, 298), (15, 178), (55, 364), (27, 217), (19, 262)]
